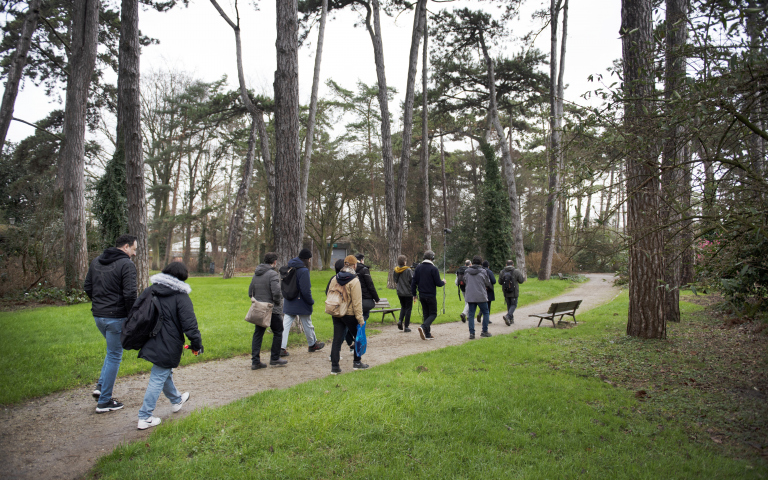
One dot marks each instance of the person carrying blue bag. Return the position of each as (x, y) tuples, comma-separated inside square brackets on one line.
[(344, 303)]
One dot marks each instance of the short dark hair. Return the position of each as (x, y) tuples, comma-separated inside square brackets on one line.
[(339, 265), (270, 257), (401, 260), (178, 270), (510, 263), (467, 262), (485, 263), (477, 260), (124, 240), (359, 256)]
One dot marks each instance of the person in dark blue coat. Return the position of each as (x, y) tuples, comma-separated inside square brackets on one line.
[(490, 291), (425, 281), (301, 306)]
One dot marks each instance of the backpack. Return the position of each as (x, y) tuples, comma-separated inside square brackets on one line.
[(288, 283), (337, 301), (460, 278), (507, 285), (144, 321)]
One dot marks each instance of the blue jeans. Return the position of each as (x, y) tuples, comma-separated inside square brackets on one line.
[(110, 328), (511, 307), (484, 310), (306, 322), (159, 379)]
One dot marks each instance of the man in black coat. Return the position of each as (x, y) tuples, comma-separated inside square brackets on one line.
[(370, 295), (111, 286), (426, 279)]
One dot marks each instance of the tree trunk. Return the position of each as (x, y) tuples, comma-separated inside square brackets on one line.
[(425, 140), (646, 268), (671, 158), (238, 209), (312, 113), (71, 169), (287, 215), (686, 238), (445, 189), (555, 125), (16, 68), (172, 221), (129, 103), (509, 169)]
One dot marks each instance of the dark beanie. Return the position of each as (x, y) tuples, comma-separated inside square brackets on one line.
[(305, 254)]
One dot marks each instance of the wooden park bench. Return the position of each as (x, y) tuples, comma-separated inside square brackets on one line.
[(562, 309), (383, 307)]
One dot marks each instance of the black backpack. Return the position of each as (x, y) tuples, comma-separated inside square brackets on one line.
[(460, 278), (507, 285), (288, 283), (144, 321)]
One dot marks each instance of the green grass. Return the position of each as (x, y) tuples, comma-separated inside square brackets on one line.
[(43, 350), (512, 406)]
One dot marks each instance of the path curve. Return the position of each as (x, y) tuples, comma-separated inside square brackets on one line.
[(61, 437)]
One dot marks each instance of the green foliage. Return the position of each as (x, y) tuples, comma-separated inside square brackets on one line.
[(496, 225), (110, 205), (53, 294)]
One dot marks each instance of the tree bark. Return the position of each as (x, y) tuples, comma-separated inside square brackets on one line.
[(129, 102), (671, 158), (555, 124), (312, 113), (16, 68), (71, 169), (509, 169), (445, 189), (425, 139), (287, 215), (646, 268), (238, 209)]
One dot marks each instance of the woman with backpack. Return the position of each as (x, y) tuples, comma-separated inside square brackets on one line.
[(164, 350), (345, 305), (403, 276)]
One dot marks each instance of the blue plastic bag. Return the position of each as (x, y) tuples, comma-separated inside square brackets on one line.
[(360, 341)]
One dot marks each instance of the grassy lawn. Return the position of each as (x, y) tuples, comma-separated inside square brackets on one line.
[(43, 350), (526, 405)]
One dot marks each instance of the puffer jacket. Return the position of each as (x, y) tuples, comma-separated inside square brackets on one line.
[(403, 276), (347, 278), (477, 282), (301, 305), (165, 349), (111, 284), (265, 287)]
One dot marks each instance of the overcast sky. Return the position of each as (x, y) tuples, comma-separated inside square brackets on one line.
[(197, 40)]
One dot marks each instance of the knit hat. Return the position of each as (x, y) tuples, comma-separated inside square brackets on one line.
[(305, 253), (350, 260)]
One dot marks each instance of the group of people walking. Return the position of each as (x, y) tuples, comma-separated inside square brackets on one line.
[(351, 295)]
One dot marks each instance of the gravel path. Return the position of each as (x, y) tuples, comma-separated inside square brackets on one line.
[(61, 437)]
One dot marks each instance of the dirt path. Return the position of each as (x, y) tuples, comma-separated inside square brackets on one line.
[(61, 437)]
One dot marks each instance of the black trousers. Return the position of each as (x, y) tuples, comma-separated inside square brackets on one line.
[(429, 310), (406, 307), (342, 326), (276, 324)]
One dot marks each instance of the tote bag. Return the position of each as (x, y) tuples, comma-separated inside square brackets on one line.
[(260, 313), (361, 341)]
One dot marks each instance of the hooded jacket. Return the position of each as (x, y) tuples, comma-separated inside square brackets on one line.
[(265, 287), (165, 349), (426, 280), (366, 283), (477, 282), (111, 284), (517, 278), (402, 277), (347, 279), (301, 305), (492, 278)]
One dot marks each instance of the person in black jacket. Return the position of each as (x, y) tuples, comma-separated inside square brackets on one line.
[(490, 291), (370, 295), (425, 281), (403, 276), (265, 287), (164, 350), (111, 285)]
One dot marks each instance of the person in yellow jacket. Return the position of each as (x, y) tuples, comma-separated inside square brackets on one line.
[(354, 317)]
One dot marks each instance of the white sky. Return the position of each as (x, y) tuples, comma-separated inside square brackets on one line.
[(197, 40)]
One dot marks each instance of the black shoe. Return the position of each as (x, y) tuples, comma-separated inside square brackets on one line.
[(259, 366), (399, 325), (407, 330), (422, 334), (96, 393), (335, 370), (463, 317), (110, 406), (359, 366), (352, 349), (471, 336), (479, 320), (430, 337), (317, 346), (284, 352), (489, 322), (486, 334), (277, 363), (506, 320)]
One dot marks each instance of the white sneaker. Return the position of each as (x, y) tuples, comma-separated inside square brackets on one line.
[(150, 422), (177, 406)]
